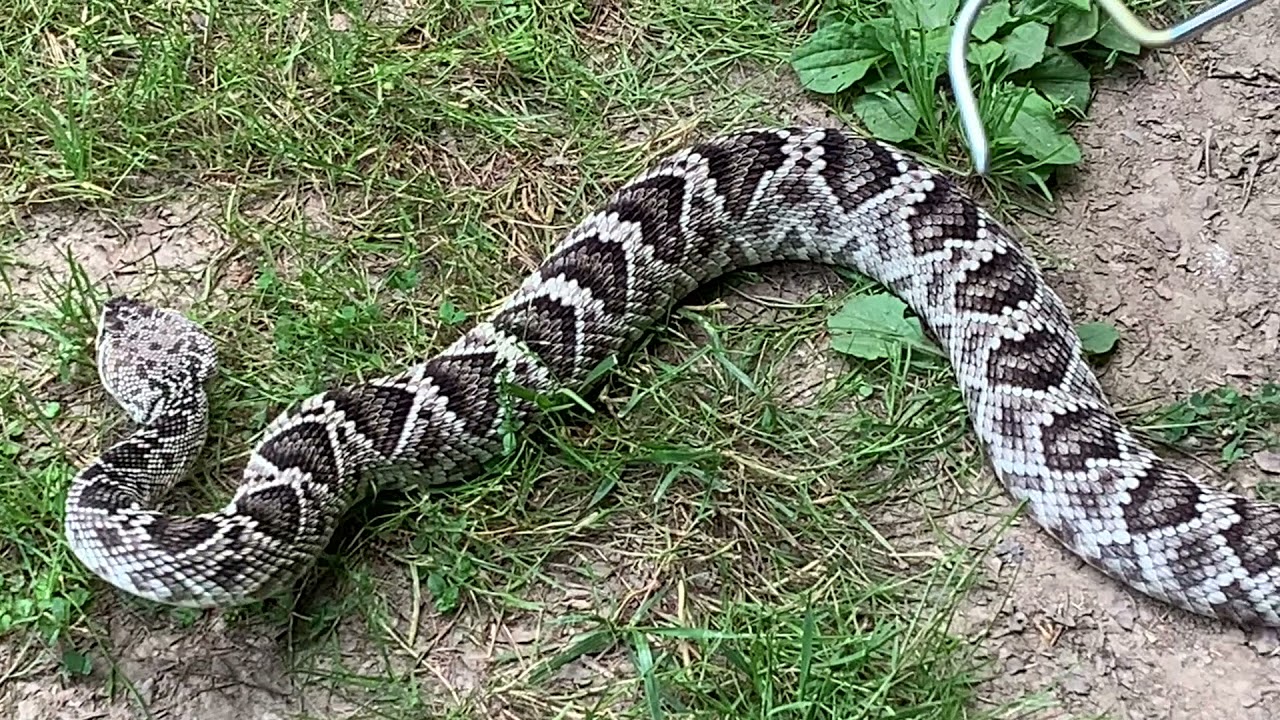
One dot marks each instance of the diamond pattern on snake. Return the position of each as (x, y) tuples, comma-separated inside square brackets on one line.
[(808, 194)]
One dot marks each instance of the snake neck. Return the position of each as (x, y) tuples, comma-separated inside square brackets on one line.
[(139, 470)]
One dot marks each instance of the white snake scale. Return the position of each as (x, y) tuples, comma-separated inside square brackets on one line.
[(740, 200)]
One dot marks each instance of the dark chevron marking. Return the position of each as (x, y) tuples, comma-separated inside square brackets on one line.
[(1029, 362)]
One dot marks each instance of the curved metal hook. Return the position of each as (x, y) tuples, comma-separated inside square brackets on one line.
[(958, 55)]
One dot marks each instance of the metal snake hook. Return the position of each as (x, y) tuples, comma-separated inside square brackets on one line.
[(958, 55)]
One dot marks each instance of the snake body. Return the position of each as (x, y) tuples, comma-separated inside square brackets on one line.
[(730, 202)]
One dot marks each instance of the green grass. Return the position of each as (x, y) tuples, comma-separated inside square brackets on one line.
[(373, 184)]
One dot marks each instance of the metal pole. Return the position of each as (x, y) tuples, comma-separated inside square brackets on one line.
[(958, 70)]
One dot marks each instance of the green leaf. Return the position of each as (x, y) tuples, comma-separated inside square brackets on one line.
[(1075, 26), (890, 78), (1111, 36), (443, 593), (451, 314), (924, 14), (873, 327), (76, 663), (1097, 338), (882, 33), (991, 19), (1062, 79), (1039, 133), (1025, 45), (834, 58), (983, 54), (1042, 11), (888, 116), (936, 45)]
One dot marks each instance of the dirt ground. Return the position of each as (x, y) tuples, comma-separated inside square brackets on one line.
[(1171, 231)]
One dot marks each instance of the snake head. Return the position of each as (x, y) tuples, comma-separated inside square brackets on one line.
[(148, 356)]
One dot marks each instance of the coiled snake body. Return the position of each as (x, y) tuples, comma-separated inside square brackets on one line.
[(766, 195)]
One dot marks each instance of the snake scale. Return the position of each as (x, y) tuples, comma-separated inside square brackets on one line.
[(806, 194)]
